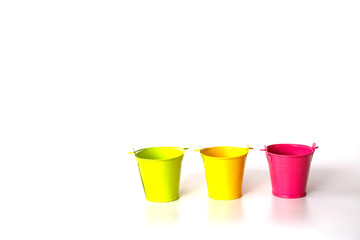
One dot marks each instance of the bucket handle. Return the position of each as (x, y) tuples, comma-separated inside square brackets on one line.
[(198, 150), (247, 147), (265, 149), (133, 152), (267, 155), (314, 146)]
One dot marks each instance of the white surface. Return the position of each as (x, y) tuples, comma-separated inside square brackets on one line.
[(81, 82)]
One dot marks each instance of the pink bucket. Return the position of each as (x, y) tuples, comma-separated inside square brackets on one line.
[(289, 166)]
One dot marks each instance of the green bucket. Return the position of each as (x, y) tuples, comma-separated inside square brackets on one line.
[(159, 169)]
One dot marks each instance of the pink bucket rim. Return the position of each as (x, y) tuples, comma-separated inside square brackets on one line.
[(313, 148)]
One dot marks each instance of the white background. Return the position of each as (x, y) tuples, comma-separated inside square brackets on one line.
[(82, 82)]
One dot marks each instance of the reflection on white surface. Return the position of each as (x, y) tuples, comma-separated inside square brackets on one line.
[(289, 210), (162, 212), (334, 182), (225, 211)]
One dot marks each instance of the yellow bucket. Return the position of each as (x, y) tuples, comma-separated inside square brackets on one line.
[(224, 170), (159, 169)]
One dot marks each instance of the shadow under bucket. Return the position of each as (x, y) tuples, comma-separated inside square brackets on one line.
[(159, 169), (289, 166), (224, 171)]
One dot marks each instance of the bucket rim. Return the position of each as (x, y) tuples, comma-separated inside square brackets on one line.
[(225, 158), (293, 144), (159, 159)]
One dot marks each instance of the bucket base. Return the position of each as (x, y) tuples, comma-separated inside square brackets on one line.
[(289, 196), (225, 198), (162, 201)]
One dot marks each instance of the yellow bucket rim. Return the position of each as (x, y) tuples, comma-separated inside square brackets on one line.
[(225, 158), (159, 159)]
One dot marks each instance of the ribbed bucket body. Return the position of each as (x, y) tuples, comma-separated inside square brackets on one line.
[(289, 166), (160, 169), (224, 170)]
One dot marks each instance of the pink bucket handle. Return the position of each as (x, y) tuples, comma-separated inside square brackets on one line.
[(268, 155), (314, 146)]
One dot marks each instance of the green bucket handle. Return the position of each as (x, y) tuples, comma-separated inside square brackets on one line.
[(134, 152)]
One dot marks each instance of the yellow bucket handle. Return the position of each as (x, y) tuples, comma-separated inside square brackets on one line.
[(199, 150)]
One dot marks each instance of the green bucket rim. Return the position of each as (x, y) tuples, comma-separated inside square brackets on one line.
[(159, 159)]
